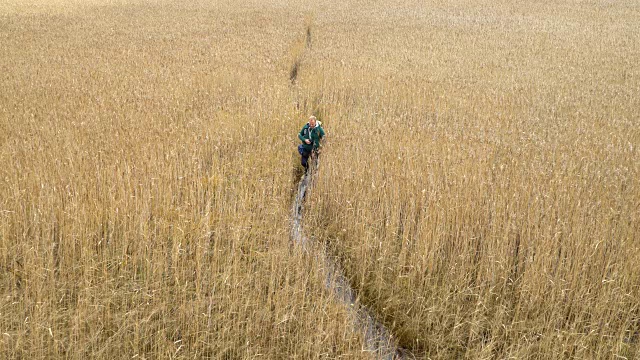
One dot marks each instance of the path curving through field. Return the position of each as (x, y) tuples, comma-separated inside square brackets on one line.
[(378, 339)]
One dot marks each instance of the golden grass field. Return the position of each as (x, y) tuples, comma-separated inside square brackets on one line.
[(479, 182)]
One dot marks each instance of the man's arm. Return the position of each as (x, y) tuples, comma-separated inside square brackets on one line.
[(320, 132), (300, 136)]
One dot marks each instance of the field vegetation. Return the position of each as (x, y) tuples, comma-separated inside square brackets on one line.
[(146, 181), (479, 183)]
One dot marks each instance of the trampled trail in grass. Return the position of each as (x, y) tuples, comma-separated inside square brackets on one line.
[(378, 339)]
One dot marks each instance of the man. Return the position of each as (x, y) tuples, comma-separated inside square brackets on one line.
[(310, 135)]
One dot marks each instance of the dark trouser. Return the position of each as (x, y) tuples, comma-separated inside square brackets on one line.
[(305, 158)]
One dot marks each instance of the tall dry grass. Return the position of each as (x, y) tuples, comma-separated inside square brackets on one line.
[(481, 181), (146, 176)]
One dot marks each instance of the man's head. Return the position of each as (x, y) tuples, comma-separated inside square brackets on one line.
[(312, 121)]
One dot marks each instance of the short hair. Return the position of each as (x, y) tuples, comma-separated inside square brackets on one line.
[(312, 118)]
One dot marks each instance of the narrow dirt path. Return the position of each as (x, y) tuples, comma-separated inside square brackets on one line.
[(378, 339)]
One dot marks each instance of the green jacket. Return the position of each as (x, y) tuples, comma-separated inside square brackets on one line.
[(314, 135)]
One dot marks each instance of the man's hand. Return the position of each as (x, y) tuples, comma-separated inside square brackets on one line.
[(307, 141)]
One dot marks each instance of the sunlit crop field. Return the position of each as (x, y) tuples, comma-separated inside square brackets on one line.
[(479, 182)]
